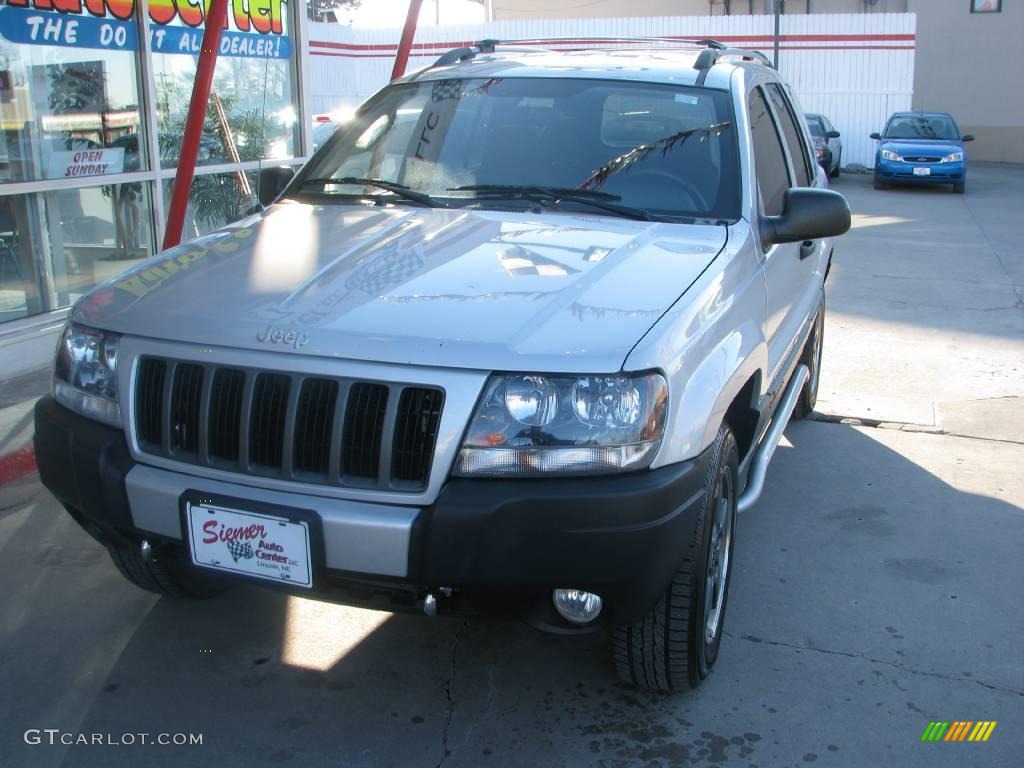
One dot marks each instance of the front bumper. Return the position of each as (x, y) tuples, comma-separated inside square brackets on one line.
[(500, 546), (893, 172)]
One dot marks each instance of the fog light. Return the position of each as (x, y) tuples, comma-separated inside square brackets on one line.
[(576, 606)]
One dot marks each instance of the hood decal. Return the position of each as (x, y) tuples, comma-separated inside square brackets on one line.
[(464, 288)]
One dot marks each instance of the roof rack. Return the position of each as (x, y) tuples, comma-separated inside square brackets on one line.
[(455, 55), (710, 55), (713, 50)]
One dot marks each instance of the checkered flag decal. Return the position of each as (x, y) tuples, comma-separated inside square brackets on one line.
[(387, 272), (446, 89), (238, 549)]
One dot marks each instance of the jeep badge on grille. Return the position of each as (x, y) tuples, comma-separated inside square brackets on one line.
[(274, 335)]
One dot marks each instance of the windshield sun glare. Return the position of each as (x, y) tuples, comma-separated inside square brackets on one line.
[(614, 148)]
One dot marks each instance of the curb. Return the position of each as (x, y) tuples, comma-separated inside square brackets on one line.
[(17, 464)]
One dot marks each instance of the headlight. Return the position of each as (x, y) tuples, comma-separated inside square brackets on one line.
[(954, 157), (85, 373), (890, 155), (529, 425)]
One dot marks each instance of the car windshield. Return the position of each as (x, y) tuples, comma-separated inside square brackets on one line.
[(815, 126), (637, 149), (921, 127)]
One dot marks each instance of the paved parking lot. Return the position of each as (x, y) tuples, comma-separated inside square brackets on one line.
[(877, 584)]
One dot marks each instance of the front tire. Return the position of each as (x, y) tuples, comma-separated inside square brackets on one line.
[(171, 578), (834, 174), (811, 357), (959, 187), (676, 645), (879, 184)]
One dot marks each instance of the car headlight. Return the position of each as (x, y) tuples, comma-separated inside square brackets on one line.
[(528, 425), (85, 373), (954, 157), (888, 154)]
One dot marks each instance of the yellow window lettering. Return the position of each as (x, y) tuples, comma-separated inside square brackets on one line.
[(134, 286)]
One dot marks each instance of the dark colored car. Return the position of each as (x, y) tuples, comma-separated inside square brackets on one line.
[(921, 148), (828, 149)]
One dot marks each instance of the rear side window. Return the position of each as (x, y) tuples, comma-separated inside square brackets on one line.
[(769, 160), (794, 139)]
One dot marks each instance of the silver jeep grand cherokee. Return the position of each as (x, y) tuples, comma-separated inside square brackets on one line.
[(520, 339)]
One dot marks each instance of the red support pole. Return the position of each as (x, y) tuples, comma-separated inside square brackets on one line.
[(216, 16), (408, 32)]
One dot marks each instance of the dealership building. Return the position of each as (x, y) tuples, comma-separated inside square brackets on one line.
[(93, 98)]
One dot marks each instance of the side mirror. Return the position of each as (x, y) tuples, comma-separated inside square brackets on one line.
[(875, 136), (832, 135), (807, 214), (968, 137), (272, 182)]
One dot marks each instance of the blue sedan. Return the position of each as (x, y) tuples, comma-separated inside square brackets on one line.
[(921, 148)]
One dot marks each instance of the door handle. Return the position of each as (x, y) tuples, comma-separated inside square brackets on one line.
[(807, 247)]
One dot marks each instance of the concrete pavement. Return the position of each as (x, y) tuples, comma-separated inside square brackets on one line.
[(926, 306), (876, 588), (877, 582), (17, 398)]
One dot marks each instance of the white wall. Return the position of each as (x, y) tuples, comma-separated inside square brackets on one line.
[(555, 9), (856, 68), (985, 95)]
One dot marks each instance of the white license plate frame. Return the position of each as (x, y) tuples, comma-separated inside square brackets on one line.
[(252, 540), (919, 171)]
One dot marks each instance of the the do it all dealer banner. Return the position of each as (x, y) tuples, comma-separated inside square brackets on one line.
[(255, 28)]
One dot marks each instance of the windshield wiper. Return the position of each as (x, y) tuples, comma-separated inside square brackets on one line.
[(551, 196), (665, 144), (399, 190)]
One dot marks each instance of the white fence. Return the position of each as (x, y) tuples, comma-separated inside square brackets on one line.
[(855, 68)]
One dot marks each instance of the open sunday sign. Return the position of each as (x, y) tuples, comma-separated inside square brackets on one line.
[(109, 25)]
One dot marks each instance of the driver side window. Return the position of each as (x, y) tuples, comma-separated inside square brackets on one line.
[(769, 160)]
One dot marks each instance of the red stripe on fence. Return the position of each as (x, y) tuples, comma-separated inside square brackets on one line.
[(17, 464), (781, 48), (448, 45)]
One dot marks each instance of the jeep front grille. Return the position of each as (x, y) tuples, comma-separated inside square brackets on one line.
[(290, 426)]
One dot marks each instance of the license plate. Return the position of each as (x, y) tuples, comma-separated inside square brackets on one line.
[(250, 543), (922, 171)]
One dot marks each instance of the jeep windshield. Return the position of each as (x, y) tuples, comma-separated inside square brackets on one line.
[(602, 147)]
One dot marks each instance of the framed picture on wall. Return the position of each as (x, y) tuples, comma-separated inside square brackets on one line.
[(986, 6)]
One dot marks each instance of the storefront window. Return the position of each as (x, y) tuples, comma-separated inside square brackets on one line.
[(252, 113), (69, 94), (19, 278), (73, 110), (216, 199), (86, 236)]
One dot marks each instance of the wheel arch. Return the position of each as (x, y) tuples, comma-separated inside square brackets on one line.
[(742, 415)]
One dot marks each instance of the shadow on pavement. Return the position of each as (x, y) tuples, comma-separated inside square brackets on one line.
[(869, 597)]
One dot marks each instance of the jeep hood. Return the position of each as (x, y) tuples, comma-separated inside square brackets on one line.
[(459, 288)]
